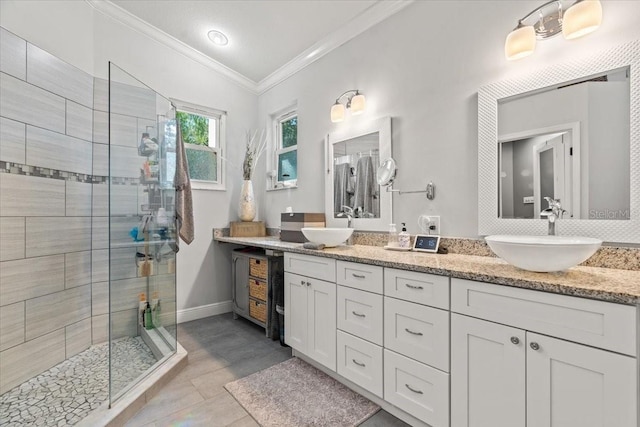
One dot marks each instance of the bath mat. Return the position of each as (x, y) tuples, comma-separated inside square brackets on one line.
[(294, 393)]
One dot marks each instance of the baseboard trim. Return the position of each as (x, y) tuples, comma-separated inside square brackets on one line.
[(195, 313)]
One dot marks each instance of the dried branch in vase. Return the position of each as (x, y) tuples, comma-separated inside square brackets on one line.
[(256, 144)]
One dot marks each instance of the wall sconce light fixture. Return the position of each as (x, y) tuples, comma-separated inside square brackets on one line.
[(580, 18), (355, 102)]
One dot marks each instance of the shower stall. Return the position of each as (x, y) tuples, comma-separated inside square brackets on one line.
[(87, 237)]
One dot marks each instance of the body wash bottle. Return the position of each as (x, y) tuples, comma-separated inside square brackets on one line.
[(148, 321), (404, 238)]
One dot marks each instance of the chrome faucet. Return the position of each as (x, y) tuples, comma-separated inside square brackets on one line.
[(553, 213), (347, 211)]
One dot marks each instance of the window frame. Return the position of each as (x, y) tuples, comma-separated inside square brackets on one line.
[(220, 117), (290, 113)]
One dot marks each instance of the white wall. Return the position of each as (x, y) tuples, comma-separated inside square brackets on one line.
[(423, 67), (76, 33)]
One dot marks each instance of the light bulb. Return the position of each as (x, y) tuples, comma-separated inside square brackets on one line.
[(357, 104), (520, 42), (582, 18), (337, 112)]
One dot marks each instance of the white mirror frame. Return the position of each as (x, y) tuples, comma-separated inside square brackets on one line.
[(383, 127), (618, 231)]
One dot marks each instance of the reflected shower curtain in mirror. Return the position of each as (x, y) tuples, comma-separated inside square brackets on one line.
[(366, 202)]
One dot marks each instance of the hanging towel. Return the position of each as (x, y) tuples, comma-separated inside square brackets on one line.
[(366, 194), (182, 183), (340, 187)]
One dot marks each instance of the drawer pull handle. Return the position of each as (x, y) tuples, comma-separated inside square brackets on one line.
[(355, 313), (535, 346), (412, 332), (413, 286), (358, 276), (515, 340), (413, 389), (358, 363)]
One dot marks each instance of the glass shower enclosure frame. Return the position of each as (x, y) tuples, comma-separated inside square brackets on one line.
[(141, 231)]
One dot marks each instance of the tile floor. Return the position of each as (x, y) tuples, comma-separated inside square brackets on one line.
[(221, 350)]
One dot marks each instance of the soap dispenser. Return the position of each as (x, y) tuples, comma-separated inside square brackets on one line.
[(404, 238)]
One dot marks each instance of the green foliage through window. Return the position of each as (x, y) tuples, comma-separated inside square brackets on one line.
[(289, 132), (195, 129)]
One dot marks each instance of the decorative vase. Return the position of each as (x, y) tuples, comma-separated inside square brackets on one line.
[(247, 209)]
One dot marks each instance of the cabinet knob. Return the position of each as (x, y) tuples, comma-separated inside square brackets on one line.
[(534, 346), (302, 282), (515, 340)]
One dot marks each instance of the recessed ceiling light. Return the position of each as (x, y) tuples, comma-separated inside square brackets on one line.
[(218, 38)]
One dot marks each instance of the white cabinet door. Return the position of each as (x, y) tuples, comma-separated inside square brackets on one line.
[(321, 318), (572, 385), (360, 361), (487, 374), (360, 314), (295, 304)]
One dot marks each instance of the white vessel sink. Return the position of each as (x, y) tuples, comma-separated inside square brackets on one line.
[(329, 237), (543, 253)]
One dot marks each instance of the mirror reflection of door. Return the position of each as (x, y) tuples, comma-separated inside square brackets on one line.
[(356, 190), (552, 170)]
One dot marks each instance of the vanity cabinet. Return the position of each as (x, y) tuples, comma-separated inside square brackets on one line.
[(509, 376), (310, 307)]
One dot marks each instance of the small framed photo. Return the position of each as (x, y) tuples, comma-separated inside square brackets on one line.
[(426, 243)]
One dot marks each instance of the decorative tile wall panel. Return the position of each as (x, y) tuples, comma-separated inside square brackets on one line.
[(12, 238), (79, 121), (54, 311), (51, 73), (22, 195), (29, 104), (13, 51), (46, 236), (11, 325), (56, 151), (78, 337), (78, 201), (30, 278), (12, 141), (77, 269)]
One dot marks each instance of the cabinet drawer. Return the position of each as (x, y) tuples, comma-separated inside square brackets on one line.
[(258, 289), (361, 362), (597, 323), (417, 331), (359, 276), (418, 389), (310, 266), (360, 314), (422, 288)]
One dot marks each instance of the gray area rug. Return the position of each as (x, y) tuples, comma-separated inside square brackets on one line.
[(295, 394)]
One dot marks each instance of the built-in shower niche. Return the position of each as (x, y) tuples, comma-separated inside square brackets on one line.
[(142, 135)]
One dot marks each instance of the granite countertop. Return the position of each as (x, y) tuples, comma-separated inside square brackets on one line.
[(605, 284)]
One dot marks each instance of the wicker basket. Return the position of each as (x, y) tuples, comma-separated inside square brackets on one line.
[(258, 310), (258, 268), (258, 289)]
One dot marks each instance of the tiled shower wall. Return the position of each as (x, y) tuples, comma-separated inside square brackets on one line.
[(54, 275)]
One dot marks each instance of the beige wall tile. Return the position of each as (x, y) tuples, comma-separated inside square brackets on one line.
[(100, 159), (30, 278), (11, 325), (27, 360), (79, 121), (29, 104), (78, 201), (78, 337), (22, 195), (12, 141), (77, 269), (54, 311), (99, 329), (46, 236), (12, 238), (99, 298), (100, 265), (57, 151), (13, 51)]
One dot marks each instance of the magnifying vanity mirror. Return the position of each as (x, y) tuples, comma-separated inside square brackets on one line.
[(386, 172), (569, 133), (351, 186)]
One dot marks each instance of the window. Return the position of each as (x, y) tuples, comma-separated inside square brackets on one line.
[(203, 131), (286, 153)]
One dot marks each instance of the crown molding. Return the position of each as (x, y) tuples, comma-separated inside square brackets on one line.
[(124, 17), (370, 17)]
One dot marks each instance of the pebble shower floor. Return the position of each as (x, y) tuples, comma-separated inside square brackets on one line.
[(68, 392)]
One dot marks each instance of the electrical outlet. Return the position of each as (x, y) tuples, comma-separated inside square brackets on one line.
[(434, 224)]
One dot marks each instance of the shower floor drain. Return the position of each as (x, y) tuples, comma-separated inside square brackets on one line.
[(68, 392)]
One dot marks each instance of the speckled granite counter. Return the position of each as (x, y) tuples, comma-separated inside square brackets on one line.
[(621, 286)]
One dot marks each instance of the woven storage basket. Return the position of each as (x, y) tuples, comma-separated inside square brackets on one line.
[(258, 310), (258, 268), (258, 289)]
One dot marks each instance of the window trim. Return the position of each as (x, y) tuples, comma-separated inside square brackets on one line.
[(220, 149), (290, 113)]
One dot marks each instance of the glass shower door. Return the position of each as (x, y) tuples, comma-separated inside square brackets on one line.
[(141, 230)]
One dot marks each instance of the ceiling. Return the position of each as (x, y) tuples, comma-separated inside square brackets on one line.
[(264, 35)]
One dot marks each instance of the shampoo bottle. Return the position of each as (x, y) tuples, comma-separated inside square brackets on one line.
[(148, 321), (404, 238)]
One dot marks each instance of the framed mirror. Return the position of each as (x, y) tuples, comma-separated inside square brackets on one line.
[(353, 156), (571, 133)]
